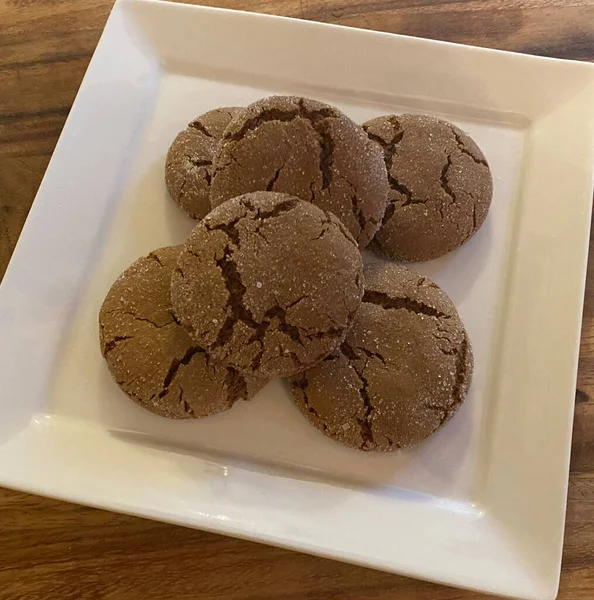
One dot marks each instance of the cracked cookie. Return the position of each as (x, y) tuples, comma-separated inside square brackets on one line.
[(189, 160), (402, 371), (440, 186), (268, 283), (307, 149), (151, 356)]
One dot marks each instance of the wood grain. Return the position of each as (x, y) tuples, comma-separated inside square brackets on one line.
[(52, 549)]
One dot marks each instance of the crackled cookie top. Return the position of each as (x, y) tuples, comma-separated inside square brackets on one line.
[(268, 283), (440, 186), (307, 149), (151, 356), (189, 160), (402, 371)]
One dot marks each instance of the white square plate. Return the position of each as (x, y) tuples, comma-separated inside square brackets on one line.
[(482, 503)]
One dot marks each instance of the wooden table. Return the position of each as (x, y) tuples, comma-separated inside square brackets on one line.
[(52, 549)]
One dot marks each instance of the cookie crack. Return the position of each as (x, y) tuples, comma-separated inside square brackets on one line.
[(388, 146), (390, 210), (149, 321), (279, 209), (302, 384), (443, 179), (358, 213), (200, 127), (279, 114), (185, 406), (317, 119), (365, 421), (388, 302), (200, 163), (182, 188), (292, 331), (442, 411), (236, 290), (426, 282), (235, 308), (296, 302), (265, 215), (404, 190), (393, 444), (236, 386), (323, 232), (204, 169), (154, 257), (280, 314), (461, 354), (443, 335), (330, 332), (270, 114), (389, 149), (297, 331), (464, 150), (356, 208), (273, 179), (228, 229), (114, 342), (327, 222), (175, 366), (458, 391), (371, 354), (326, 151)]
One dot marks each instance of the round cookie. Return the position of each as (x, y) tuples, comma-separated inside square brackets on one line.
[(188, 164), (402, 371), (307, 149), (151, 356), (268, 283), (440, 186)]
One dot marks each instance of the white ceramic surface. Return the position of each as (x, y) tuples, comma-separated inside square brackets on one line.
[(482, 503)]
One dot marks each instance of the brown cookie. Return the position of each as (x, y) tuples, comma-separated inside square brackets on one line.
[(268, 283), (151, 356), (189, 160), (440, 186), (309, 150), (402, 371)]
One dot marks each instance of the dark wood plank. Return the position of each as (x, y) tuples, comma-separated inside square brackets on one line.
[(53, 549), (558, 28)]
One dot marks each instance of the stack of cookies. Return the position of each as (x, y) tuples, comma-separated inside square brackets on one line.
[(271, 282)]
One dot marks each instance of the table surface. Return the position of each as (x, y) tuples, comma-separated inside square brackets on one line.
[(52, 549)]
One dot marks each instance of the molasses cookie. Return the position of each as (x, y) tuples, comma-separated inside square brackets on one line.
[(307, 149), (440, 186), (189, 160), (268, 283), (402, 371), (151, 356)]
